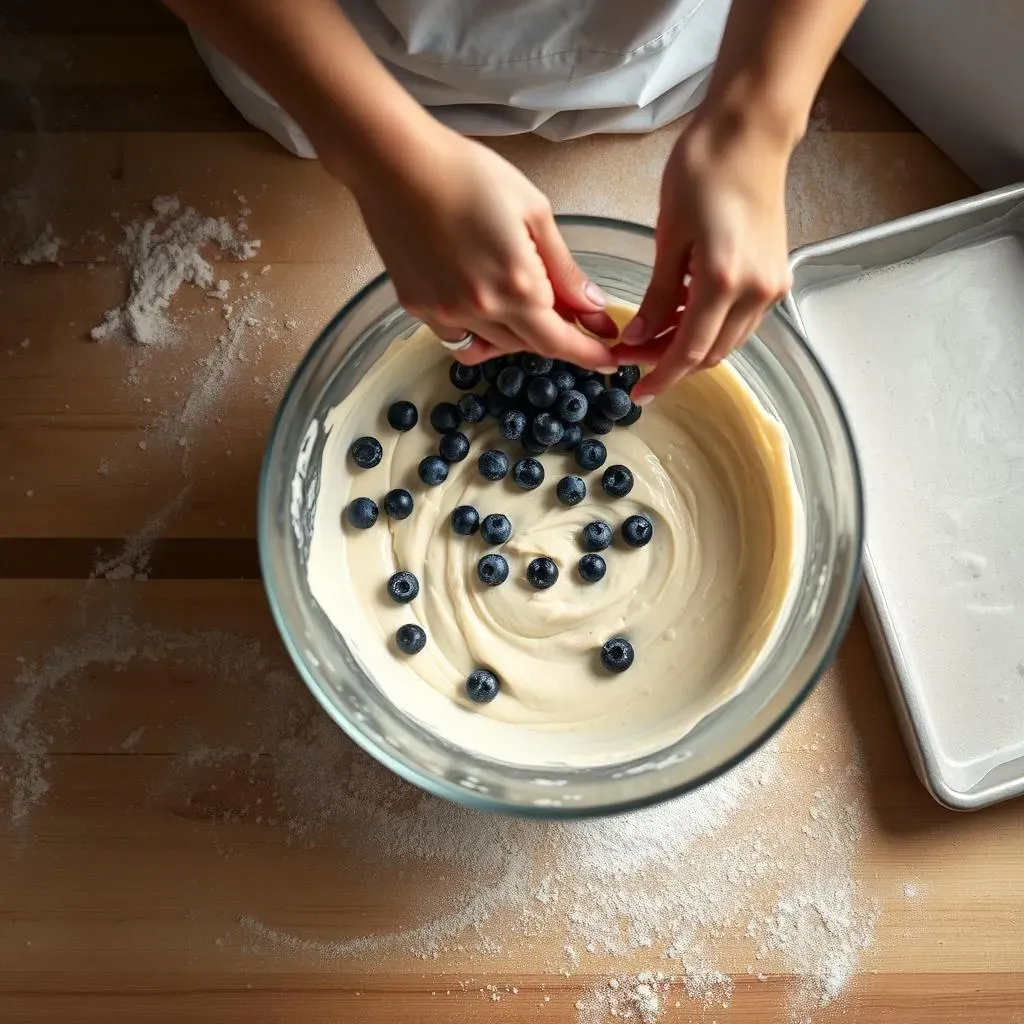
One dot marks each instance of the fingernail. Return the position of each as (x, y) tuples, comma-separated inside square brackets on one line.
[(606, 369), (595, 295), (633, 334), (644, 400)]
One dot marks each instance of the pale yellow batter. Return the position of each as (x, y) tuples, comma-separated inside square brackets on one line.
[(699, 602)]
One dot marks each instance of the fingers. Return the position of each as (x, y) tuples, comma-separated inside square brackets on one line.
[(489, 340), (444, 331), (572, 287), (544, 331), (742, 320), (600, 324), (699, 328), (662, 299), (479, 352)]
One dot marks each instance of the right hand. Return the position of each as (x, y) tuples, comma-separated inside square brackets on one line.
[(472, 245)]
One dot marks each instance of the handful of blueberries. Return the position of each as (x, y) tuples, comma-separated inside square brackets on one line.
[(544, 405)]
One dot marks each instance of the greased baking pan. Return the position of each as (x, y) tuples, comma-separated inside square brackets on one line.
[(920, 324)]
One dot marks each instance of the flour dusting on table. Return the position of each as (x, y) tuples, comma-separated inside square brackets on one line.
[(165, 252), (45, 249), (760, 860)]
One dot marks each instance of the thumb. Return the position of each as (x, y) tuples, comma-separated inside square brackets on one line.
[(658, 310), (571, 286)]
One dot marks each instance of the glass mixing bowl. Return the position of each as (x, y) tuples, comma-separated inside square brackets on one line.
[(791, 384)]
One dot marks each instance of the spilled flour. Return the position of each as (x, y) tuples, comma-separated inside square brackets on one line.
[(677, 904), (165, 252), (45, 249)]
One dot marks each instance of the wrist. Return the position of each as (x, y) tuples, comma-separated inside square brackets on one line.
[(381, 149), (753, 106)]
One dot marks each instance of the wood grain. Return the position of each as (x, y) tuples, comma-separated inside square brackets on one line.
[(158, 700)]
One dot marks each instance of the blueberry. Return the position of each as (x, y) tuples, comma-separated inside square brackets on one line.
[(637, 531), (531, 446), (433, 470), (564, 381), (492, 570), (361, 513), (493, 464), (617, 481), (482, 686), (542, 393), (542, 573), (453, 446), (464, 377), (510, 381), (472, 407), (598, 424), (626, 377), (547, 429), (403, 587), (596, 535), (536, 366), (445, 416), (492, 368), (402, 415), (398, 503), (366, 452), (495, 529), (528, 474), (513, 424), (631, 417), (572, 406), (570, 439), (591, 388), (617, 654), (465, 520), (591, 453), (571, 490), (410, 639), (592, 568), (497, 403), (614, 404)]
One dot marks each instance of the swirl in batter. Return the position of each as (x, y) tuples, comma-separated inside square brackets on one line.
[(699, 603)]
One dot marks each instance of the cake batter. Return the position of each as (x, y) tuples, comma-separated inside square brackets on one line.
[(698, 603)]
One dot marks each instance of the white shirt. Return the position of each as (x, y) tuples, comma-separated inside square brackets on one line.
[(559, 68)]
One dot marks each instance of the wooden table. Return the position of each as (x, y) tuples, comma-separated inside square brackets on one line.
[(140, 822)]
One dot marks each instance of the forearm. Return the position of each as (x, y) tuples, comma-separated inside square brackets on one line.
[(310, 59), (773, 58)]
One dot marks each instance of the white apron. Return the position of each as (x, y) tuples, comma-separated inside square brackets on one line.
[(559, 68)]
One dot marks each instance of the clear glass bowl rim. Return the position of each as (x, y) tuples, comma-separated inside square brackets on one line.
[(439, 787)]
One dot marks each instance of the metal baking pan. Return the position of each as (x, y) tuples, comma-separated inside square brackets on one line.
[(920, 324)]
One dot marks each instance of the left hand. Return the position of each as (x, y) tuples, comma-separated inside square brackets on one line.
[(722, 222)]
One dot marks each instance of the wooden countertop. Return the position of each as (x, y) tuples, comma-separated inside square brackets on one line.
[(143, 828)]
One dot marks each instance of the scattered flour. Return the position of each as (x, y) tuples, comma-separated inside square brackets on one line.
[(627, 997), (165, 252), (220, 290), (133, 560), (131, 741), (45, 249), (748, 861)]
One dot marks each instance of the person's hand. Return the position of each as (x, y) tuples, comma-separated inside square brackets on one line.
[(722, 229), (472, 245)]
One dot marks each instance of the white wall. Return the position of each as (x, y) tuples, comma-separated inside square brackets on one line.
[(956, 69)]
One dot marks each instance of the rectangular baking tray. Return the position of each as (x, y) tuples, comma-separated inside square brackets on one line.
[(919, 322)]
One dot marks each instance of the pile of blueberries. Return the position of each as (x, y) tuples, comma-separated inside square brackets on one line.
[(544, 405)]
